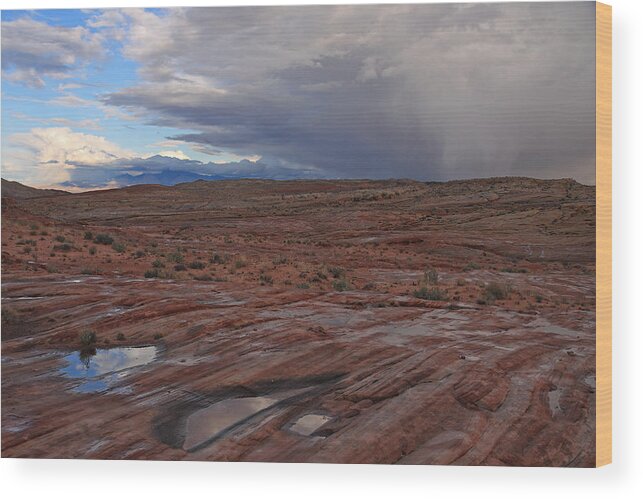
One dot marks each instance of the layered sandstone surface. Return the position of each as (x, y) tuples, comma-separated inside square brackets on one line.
[(302, 321)]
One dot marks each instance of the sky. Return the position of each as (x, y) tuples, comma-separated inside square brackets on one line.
[(105, 98)]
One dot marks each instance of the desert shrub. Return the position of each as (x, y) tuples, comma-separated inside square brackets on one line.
[(514, 270), (87, 338), (176, 257), (105, 239), (435, 294), (158, 336), (431, 276), (92, 250), (60, 239), (120, 337), (303, 285), (461, 282), (158, 264), (218, 259), (151, 274), (139, 254), (280, 260), (265, 279), (340, 285), (88, 271), (197, 265), (471, 266), (118, 247), (63, 247), (336, 272), (33, 226), (179, 267), (321, 275), (240, 264), (203, 277), (496, 291), (88, 236), (26, 249)]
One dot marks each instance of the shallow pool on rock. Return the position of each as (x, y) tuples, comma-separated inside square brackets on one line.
[(309, 424), (205, 424), (101, 368)]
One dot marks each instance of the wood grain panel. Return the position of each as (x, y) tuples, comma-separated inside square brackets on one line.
[(603, 234)]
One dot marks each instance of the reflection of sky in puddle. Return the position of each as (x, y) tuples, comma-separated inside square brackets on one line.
[(309, 424), (204, 424), (101, 368)]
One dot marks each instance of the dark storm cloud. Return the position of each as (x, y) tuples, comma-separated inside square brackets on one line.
[(422, 91)]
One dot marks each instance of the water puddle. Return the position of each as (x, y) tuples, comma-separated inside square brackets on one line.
[(101, 368), (205, 424), (309, 424), (554, 401)]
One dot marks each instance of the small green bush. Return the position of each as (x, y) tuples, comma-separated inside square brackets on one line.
[(218, 259), (514, 270), (105, 239), (336, 272), (197, 265), (60, 239), (340, 285), (176, 257), (496, 291), (88, 236), (179, 267), (434, 294), (92, 250), (158, 264), (151, 274), (203, 277), (87, 338), (431, 276), (118, 247), (120, 337)]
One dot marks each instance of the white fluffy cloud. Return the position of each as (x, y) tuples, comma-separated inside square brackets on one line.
[(54, 152)]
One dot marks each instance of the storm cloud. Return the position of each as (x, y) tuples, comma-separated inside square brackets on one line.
[(431, 92)]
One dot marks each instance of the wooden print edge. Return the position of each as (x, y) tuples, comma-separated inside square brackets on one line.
[(603, 234)]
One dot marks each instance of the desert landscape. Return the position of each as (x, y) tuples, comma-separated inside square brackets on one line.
[(347, 321)]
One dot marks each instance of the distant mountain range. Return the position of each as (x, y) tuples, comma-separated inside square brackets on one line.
[(165, 177)]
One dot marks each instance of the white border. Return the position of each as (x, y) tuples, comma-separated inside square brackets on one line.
[(116, 479)]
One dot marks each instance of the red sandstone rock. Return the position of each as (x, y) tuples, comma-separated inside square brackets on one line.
[(311, 300)]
